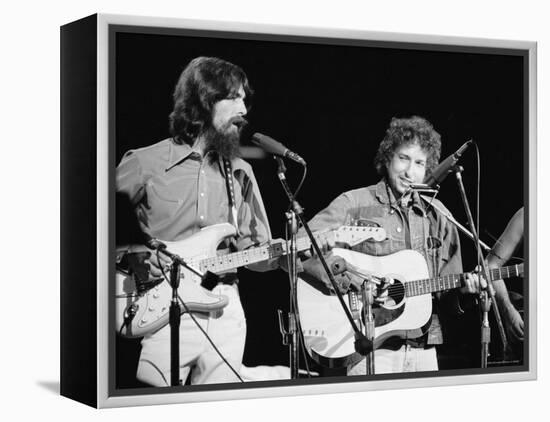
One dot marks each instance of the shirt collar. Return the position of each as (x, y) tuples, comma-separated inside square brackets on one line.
[(178, 153)]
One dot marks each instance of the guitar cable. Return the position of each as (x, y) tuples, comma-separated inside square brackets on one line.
[(200, 327), (301, 340), (131, 311), (300, 337), (130, 314)]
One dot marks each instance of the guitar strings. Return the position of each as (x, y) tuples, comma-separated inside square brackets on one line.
[(398, 289)]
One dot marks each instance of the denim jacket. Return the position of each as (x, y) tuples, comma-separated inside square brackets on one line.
[(416, 226)]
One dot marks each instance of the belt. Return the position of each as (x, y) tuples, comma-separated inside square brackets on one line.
[(395, 343)]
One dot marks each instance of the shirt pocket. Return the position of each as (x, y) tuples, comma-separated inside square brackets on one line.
[(166, 198)]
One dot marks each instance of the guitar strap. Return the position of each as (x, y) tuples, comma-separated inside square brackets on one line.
[(228, 170)]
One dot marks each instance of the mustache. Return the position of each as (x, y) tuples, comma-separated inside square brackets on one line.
[(238, 121)]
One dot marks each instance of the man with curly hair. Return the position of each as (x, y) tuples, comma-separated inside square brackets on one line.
[(409, 151), (184, 183)]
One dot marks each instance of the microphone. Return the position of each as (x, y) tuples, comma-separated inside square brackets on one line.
[(443, 169), (271, 146)]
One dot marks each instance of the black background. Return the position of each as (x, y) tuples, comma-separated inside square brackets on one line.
[(331, 103)]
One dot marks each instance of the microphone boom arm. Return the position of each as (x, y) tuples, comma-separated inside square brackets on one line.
[(459, 226)]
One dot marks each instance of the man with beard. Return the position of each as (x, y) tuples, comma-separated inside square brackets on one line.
[(185, 183)]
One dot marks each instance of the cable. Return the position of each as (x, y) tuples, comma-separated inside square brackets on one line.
[(293, 305), (301, 340), (478, 178), (301, 182), (210, 340), (129, 316), (200, 327)]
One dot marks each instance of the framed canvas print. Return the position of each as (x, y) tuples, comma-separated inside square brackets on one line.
[(252, 211)]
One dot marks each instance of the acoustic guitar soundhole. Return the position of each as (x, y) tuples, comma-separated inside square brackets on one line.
[(395, 294), (389, 310)]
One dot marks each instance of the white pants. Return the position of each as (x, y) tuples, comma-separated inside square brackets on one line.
[(228, 332), (405, 359)]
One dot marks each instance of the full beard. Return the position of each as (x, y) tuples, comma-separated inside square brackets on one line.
[(224, 143)]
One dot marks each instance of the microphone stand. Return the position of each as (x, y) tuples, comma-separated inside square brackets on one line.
[(174, 321), (290, 335), (459, 226), (487, 295), (362, 344), (368, 316), (175, 309)]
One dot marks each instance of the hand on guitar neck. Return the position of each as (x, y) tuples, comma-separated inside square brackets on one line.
[(406, 313), (474, 282)]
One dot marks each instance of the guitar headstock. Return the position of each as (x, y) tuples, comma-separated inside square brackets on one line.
[(353, 235), (520, 269)]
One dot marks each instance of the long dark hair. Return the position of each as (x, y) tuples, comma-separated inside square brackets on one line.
[(205, 81), (410, 130)]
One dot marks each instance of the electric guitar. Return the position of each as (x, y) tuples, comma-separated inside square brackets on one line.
[(141, 308), (406, 312)]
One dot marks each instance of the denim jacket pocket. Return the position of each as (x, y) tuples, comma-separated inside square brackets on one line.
[(434, 254)]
